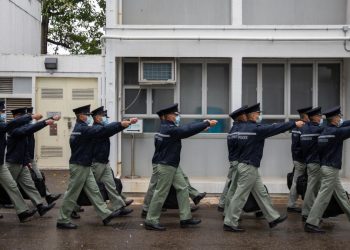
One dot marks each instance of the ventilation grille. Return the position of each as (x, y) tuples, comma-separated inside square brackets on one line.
[(6, 85), (51, 151), (52, 93), (83, 94), (15, 103)]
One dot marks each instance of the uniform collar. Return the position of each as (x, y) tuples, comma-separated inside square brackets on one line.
[(97, 124)]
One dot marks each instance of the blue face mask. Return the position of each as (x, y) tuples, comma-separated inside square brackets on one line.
[(259, 119), (3, 117), (89, 120), (177, 120), (104, 120), (340, 122), (321, 122)]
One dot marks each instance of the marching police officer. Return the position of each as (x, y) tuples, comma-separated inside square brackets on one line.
[(100, 162), (330, 147), (251, 140), (17, 158), (194, 194), (6, 179), (81, 177), (298, 161), (167, 158), (308, 141), (50, 198), (239, 117)]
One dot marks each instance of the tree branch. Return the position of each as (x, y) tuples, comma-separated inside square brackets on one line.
[(59, 43)]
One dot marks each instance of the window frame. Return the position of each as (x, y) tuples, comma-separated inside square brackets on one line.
[(288, 115), (177, 88)]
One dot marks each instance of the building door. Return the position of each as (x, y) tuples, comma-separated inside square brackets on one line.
[(60, 96)]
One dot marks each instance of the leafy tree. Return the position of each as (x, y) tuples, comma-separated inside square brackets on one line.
[(75, 25)]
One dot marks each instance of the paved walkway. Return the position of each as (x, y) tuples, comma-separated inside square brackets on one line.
[(128, 232)]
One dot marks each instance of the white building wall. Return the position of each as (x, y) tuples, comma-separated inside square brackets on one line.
[(20, 26), (314, 37)]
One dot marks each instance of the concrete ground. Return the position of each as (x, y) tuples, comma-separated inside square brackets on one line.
[(128, 232)]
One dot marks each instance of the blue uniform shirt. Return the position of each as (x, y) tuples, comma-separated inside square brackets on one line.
[(232, 141), (308, 141), (297, 153), (82, 141), (4, 127), (168, 141), (330, 145), (102, 143), (251, 140), (18, 143)]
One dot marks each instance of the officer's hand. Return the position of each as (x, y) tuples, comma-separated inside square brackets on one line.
[(299, 124), (212, 122), (29, 165), (126, 123), (56, 117), (49, 122), (37, 116), (133, 120)]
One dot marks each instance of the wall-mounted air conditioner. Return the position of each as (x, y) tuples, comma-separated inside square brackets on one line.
[(157, 72)]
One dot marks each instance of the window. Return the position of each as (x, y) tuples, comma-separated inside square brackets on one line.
[(301, 80), (144, 102), (273, 89), (191, 88), (283, 86), (328, 85), (202, 91), (250, 80)]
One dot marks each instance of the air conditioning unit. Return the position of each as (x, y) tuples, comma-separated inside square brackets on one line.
[(157, 72)]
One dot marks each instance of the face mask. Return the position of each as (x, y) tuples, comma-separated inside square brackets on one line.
[(259, 119), (104, 120), (321, 122), (3, 117), (340, 122), (89, 120), (177, 120)]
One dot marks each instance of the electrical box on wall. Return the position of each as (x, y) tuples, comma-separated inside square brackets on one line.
[(136, 128)]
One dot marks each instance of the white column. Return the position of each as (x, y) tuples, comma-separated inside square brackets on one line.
[(111, 13), (111, 99), (236, 12), (236, 83)]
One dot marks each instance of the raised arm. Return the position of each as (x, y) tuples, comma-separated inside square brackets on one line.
[(266, 131), (188, 130)]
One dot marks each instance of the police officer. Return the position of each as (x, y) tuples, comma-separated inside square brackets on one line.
[(100, 163), (330, 147), (239, 117), (308, 141), (81, 176), (194, 194), (167, 158), (50, 198), (298, 161), (127, 201), (6, 179), (17, 158), (251, 140)]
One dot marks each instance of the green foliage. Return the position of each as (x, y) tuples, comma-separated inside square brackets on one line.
[(76, 25)]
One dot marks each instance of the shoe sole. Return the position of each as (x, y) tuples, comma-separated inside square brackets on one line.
[(126, 213), (42, 214), (154, 229), (233, 231), (275, 224)]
